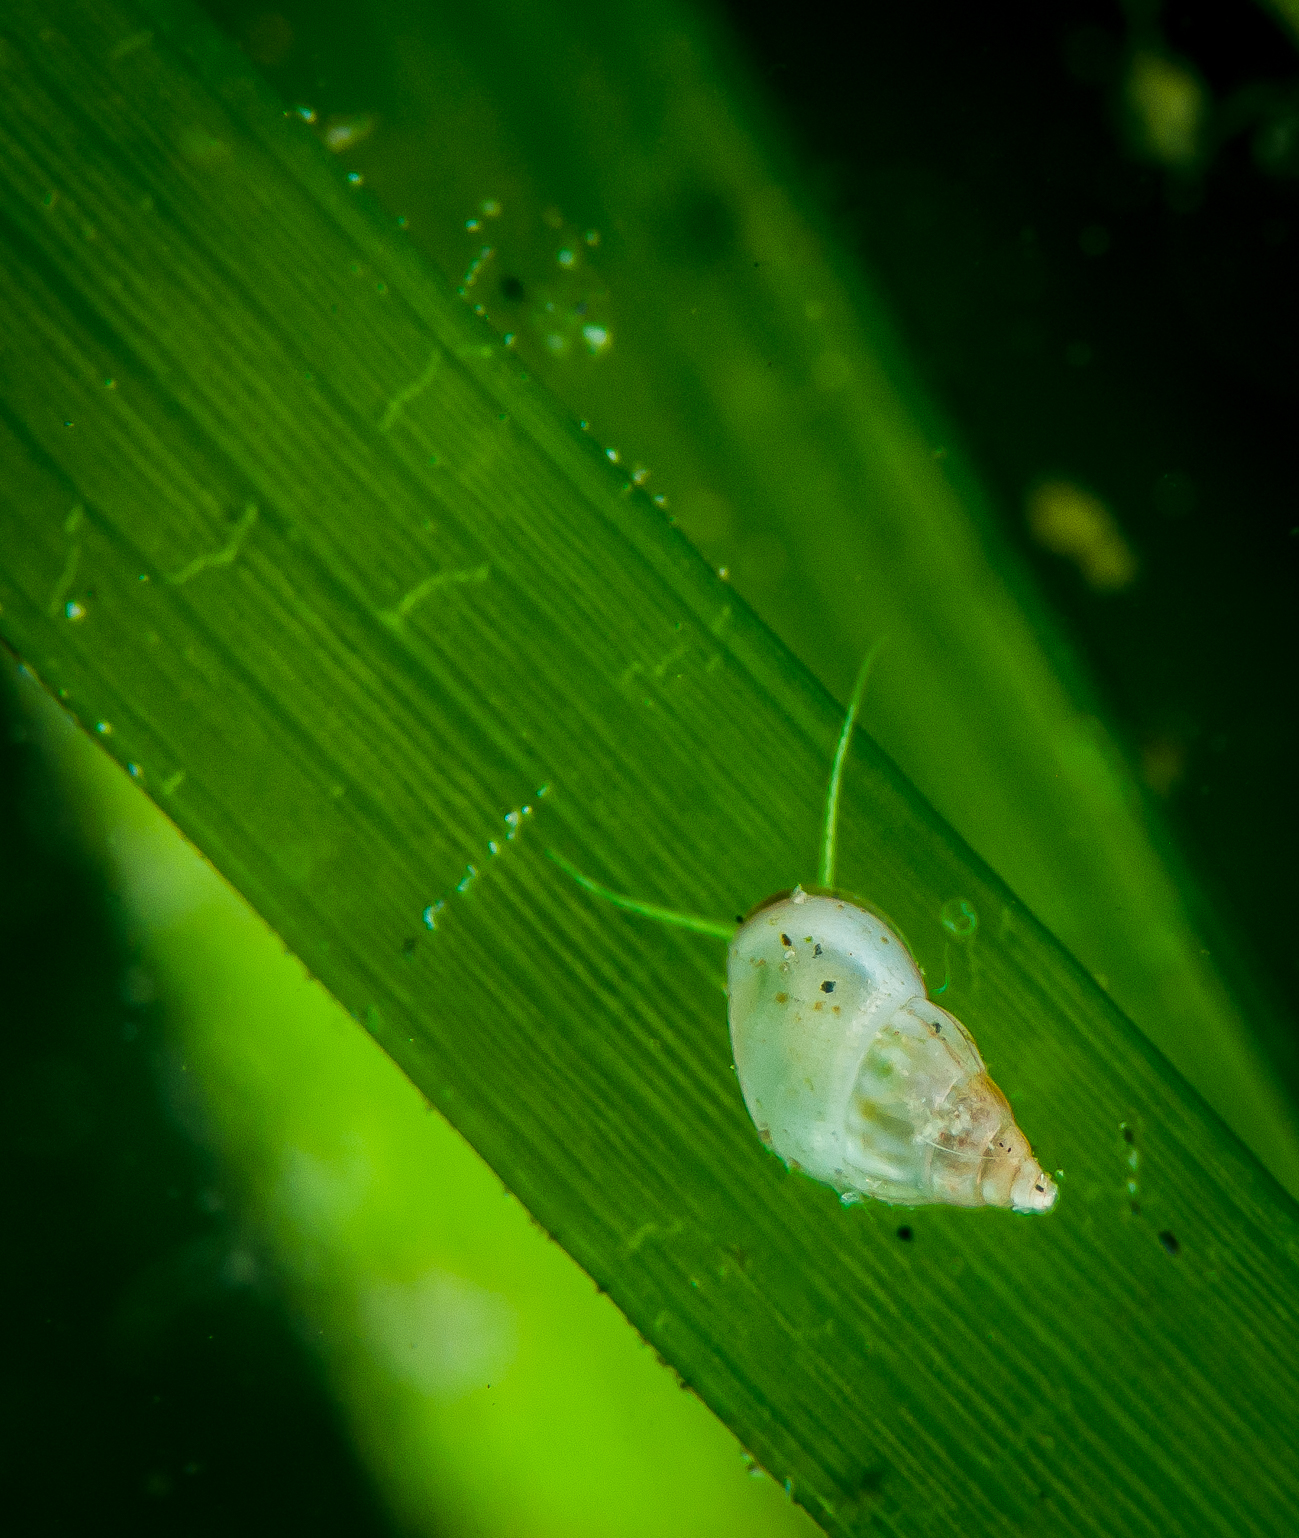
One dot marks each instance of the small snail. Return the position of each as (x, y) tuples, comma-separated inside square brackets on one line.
[(849, 1072)]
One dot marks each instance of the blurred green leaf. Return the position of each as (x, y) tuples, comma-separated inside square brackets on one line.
[(488, 1387), (142, 1345), (291, 531)]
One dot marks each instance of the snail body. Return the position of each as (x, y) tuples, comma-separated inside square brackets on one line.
[(854, 1077), (850, 1073)]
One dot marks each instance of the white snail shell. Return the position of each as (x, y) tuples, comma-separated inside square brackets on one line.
[(854, 1077)]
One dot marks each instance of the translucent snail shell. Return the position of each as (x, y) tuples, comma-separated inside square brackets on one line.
[(854, 1077)]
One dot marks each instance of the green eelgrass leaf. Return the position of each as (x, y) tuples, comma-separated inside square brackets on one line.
[(453, 634), (652, 261)]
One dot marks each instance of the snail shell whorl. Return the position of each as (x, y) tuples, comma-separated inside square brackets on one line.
[(854, 1077)]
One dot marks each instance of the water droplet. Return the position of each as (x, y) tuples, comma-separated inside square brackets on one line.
[(566, 257), (958, 918), (355, 178), (104, 728), (73, 610)]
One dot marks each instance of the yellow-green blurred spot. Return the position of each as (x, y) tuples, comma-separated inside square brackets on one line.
[(1071, 522), (1168, 105)]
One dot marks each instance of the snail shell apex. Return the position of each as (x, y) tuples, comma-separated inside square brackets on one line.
[(853, 1076)]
